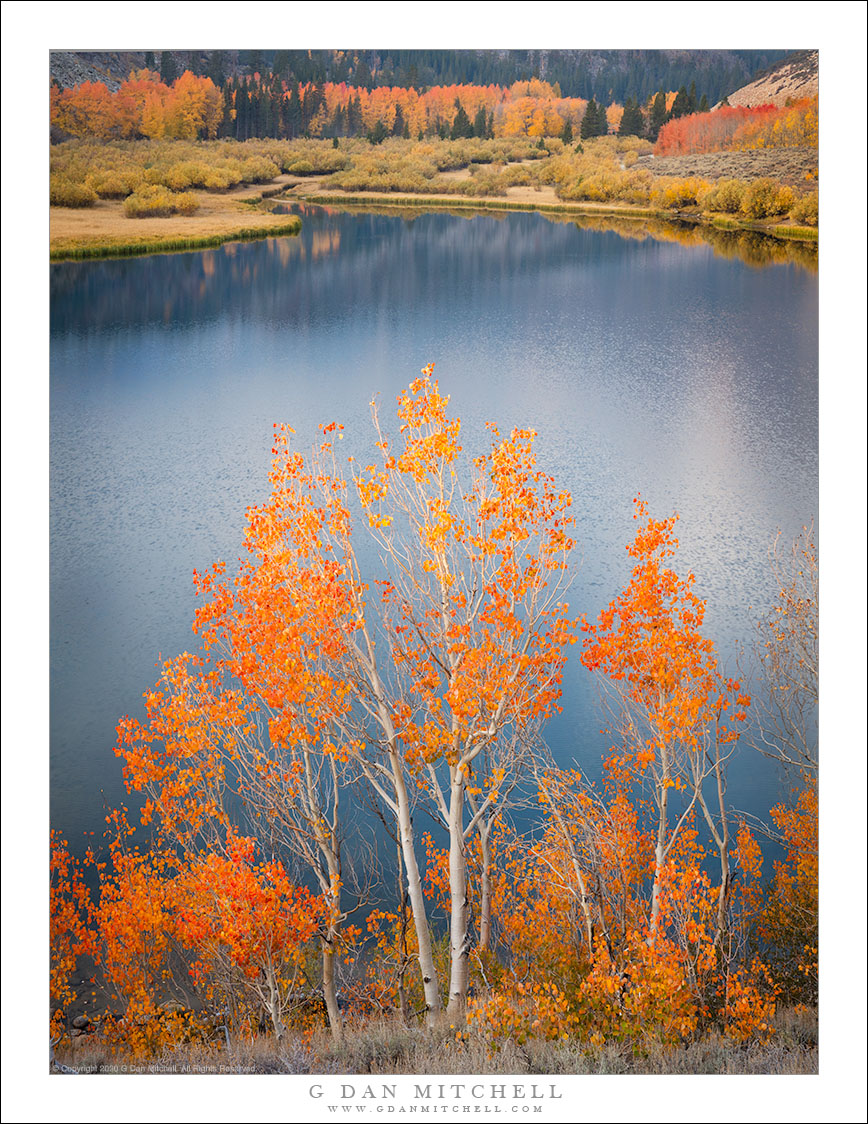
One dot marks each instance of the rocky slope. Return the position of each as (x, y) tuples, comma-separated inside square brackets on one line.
[(797, 76)]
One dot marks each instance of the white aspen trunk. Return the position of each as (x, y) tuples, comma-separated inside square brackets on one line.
[(458, 936), (723, 848), (417, 897), (485, 889), (660, 849), (329, 990), (329, 950), (274, 1005), (401, 807)]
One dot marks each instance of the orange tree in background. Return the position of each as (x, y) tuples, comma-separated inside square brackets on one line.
[(674, 711)]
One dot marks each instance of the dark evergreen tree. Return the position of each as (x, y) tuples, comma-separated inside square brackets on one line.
[(362, 76), (215, 69), (379, 133), (681, 105), (567, 132), (480, 123), (590, 126), (292, 115), (632, 121), (703, 104), (150, 61), (691, 98), (658, 115), (354, 116), (168, 69), (398, 126), (462, 126)]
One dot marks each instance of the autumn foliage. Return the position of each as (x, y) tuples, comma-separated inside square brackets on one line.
[(738, 128), (143, 106), (632, 912)]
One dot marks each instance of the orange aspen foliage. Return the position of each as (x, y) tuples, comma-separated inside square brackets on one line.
[(673, 709), (789, 923), (71, 932), (248, 926)]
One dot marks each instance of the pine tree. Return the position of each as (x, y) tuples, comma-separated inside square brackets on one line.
[(681, 105), (462, 125), (362, 75), (567, 132), (379, 133), (480, 123), (658, 115), (214, 70), (632, 121), (150, 63), (590, 121), (168, 69)]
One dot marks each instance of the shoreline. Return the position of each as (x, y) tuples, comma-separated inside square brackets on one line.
[(103, 231)]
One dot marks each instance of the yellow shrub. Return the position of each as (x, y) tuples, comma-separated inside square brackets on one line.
[(807, 209)]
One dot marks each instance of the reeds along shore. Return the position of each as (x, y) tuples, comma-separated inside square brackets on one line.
[(179, 244)]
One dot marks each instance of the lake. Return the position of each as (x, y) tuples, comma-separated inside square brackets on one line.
[(644, 365)]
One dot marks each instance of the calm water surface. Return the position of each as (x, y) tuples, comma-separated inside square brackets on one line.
[(644, 366)]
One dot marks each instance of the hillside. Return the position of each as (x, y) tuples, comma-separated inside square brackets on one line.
[(603, 75), (796, 76)]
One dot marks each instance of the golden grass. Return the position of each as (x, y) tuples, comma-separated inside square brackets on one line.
[(104, 229)]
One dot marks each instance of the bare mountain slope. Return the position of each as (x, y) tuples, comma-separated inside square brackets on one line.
[(797, 76)]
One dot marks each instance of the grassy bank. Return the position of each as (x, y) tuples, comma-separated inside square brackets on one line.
[(104, 230), (389, 1047), (167, 244)]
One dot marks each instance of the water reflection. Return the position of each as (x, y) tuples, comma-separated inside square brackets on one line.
[(651, 364)]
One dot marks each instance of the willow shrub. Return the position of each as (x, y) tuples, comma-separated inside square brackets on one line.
[(766, 198), (725, 197), (806, 210), (675, 194), (154, 201), (63, 192)]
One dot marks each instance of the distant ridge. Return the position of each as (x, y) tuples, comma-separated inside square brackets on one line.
[(797, 76)]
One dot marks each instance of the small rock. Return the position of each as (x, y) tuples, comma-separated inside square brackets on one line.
[(80, 1022)]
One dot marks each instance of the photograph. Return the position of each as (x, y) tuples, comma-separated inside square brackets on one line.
[(431, 524)]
